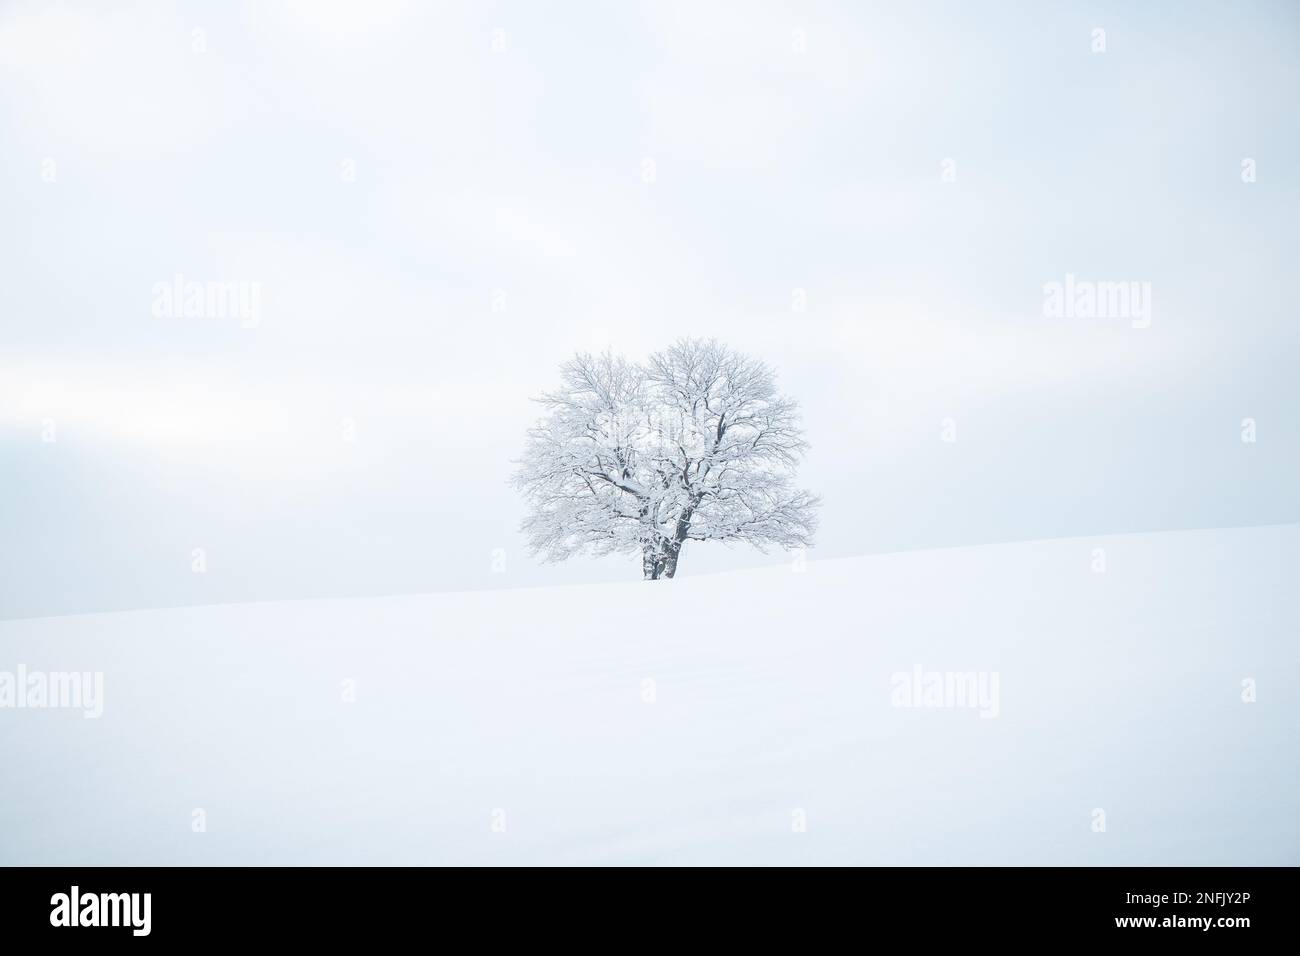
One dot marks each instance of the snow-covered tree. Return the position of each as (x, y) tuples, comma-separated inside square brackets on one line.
[(694, 445)]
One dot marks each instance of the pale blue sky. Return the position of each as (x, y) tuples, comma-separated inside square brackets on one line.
[(521, 170)]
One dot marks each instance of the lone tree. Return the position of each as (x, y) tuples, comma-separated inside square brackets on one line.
[(694, 445)]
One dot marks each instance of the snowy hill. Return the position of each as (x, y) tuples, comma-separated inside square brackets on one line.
[(750, 717)]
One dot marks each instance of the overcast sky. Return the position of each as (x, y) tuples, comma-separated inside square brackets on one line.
[(438, 203)]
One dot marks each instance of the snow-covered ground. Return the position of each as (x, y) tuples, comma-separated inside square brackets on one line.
[(736, 718)]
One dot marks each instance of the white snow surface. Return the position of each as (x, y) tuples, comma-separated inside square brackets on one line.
[(772, 704)]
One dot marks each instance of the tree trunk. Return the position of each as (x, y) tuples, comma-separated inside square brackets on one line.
[(659, 560), (673, 548), (653, 563), (674, 551), (651, 556)]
